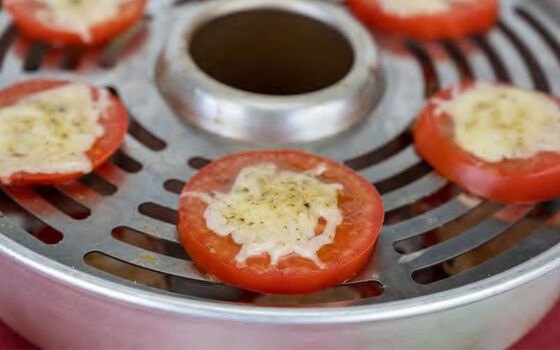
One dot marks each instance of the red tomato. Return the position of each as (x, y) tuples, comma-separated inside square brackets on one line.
[(351, 249), (461, 19), (114, 122), (528, 180), (24, 13)]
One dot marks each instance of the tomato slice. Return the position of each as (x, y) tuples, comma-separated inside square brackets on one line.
[(526, 180), (115, 124), (461, 18), (358, 201), (24, 13)]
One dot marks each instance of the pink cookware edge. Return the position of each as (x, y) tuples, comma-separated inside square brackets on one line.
[(544, 337)]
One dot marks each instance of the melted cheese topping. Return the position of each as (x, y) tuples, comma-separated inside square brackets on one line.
[(49, 132), (406, 8), (499, 123), (275, 212), (78, 16)]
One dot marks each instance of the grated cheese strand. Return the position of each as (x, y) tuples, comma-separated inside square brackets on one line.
[(78, 16), (497, 123), (50, 132), (405, 8), (275, 212)]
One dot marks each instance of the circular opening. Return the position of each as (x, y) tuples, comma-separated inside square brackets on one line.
[(271, 52)]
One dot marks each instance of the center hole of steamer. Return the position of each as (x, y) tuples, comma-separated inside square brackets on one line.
[(271, 52)]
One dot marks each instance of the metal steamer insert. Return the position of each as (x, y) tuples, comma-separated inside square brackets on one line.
[(311, 72), (99, 257)]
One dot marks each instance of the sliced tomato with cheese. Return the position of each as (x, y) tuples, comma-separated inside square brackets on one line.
[(497, 141), (74, 22), (423, 19), (280, 222), (54, 131)]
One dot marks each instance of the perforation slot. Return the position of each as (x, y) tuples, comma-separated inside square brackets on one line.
[(497, 64), (144, 136), (72, 57), (162, 281), (127, 271), (8, 36), (332, 297), (481, 254), (198, 162), (28, 222), (541, 83), (431, 78), (65, 204), (423, 205), (375, 156), (139, 132), (159, 212), (447, 230), (125, 162), (98, 184), (548, 38), (146, 241), (459, 59), (174, 186), (35, 55), (115, 49), (415, 172)]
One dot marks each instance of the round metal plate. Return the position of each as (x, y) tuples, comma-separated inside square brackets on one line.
[(115, 229)]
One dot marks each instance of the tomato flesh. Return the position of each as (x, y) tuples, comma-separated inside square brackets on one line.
[(353, 243), (460, 20), (528, 180), (114, 123), (24, 13)]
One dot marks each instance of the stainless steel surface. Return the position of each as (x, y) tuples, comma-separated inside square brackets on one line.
[(231, 112), (473, 307), (102, 314)]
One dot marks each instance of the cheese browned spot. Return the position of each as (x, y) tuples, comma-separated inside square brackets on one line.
[(78, 16), (406, 8), (275, 212), (51, 131), (497, 123)]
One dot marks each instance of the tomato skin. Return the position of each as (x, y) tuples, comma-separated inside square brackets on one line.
[(115, 124), (353, 245), (23, 14), (459, 21), (520, 181)]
